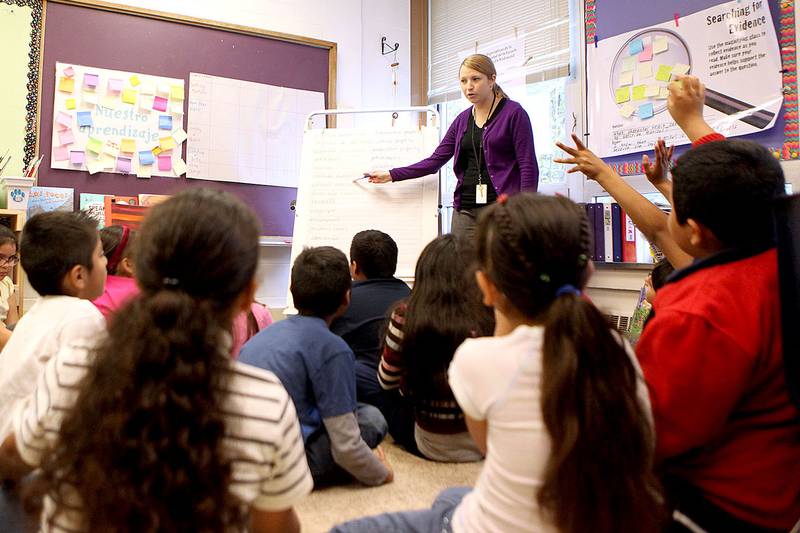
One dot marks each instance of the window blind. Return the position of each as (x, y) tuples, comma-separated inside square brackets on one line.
[(457, 27)]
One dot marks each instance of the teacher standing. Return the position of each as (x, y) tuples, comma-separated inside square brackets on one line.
[(492, 142)]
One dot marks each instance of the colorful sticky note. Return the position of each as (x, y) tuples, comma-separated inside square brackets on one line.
[(94, 145), (134, 79), (110, 101), (84, 118), (165, 122), (176, 92), (626, 110), (179, 135), (628, 64), (623, 94), (60, 153), (69, 72), (110, 148), (114, 85), (165, 162), (66, 137), (626, 78), (160, 103), (157, 150), (90, 81), (645, 70), (166, 143), (70, 103), (646, 41), (145, 102), (146, 157), (661, 44), (89, 99), (128, 146), (663, 93), (95, 166), (147, 88), (66, 85), (64, 120), (680, 69), (76, 157), (124, 164), (163, 89), (635, 47), (646, 111), (639, 92), (108, 161), (647, 54), (179, 167), (664, 72), (176, 106), (651, 91), (129, 96), (144, 171)]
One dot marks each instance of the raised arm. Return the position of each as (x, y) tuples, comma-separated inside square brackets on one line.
[(657, 170), (685, 104)]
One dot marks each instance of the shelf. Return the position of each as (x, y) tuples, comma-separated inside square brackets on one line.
[(272, 240), (623, 266)]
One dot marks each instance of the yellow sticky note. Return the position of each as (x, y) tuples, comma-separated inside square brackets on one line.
[(179, 135), (95, 166), (680, 69), (70, 103), (663, 93), (157, 150), (651, 91), (639, 92), (645, 70), (94, 145), (176, 92), (128, 145), (661, 44), (626, 78), (629, 64), (664, 72), (129, 96), (66, 85), (179, 167), (626, 110), (144, 171), (623, 94), (166, 143), (134, 80)]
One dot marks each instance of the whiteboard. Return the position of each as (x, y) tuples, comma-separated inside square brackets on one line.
[(246, 132), (331, 207)]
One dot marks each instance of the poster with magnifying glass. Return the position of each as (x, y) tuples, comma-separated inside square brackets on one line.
[(732, 47)]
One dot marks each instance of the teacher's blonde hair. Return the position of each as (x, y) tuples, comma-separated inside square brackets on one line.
[(484, 65)]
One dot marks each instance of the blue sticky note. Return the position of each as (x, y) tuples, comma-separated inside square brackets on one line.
[(146, 158), (84, 118), (165, 122), (636, 47), (646, 111)]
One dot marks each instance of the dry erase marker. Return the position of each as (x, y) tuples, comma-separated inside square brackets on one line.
[(361, 178)]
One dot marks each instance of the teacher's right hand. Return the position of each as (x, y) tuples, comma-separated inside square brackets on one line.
[(378, 176)]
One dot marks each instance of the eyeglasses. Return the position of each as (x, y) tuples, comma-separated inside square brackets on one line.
[(9, 261)]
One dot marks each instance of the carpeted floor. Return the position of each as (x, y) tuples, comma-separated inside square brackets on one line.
[(416, 484)]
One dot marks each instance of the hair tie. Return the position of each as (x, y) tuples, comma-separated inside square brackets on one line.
[(502, 199), (567, 289), (116, 257), (170, 282)]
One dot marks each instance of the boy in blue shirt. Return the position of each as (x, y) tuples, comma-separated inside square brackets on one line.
[(317, 368)]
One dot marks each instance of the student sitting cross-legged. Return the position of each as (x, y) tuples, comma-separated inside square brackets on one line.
[(317, 368), (157, 429)]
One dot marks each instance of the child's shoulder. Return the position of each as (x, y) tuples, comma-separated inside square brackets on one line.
[(523, 338)]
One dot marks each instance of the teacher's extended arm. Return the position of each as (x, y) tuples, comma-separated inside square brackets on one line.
[(522, 133), (432, 164)]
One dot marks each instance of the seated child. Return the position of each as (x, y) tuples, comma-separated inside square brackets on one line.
[(247, 324), (63, 259), (444, 309), (9, 312), (317, 369), (157, 429), (554, 398), (118, 246), (373, 261)]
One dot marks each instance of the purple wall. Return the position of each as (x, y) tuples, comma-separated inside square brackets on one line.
[(102, 39)]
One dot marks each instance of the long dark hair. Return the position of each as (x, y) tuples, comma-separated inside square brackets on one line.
[(143, 444), (444, 308), (599, 474)]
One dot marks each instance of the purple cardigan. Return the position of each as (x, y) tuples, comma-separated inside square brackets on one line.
[(507, 147)]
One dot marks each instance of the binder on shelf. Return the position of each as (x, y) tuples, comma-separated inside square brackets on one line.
[(616, 232), (608, 234), (599, 242), (628, 239)]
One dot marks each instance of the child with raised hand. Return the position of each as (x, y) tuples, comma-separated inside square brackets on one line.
[(63, 259), (118, 246), (443, 310), (158, 429), (554, 397)]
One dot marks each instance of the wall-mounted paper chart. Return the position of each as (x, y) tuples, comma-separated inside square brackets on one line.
[(246, 132)]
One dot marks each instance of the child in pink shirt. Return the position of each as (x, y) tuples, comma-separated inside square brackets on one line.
[(120, 285), (245, 325)]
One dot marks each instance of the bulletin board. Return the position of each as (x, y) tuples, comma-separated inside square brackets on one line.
[(743, 51), (130, 39)]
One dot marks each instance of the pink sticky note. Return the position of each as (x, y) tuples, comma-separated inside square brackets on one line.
[(114, 85), (60, 153), (66, 137), (124, 164), (76, 157), (160, 104), (165, 162), (69, 72), (647, 53), (64, 120)]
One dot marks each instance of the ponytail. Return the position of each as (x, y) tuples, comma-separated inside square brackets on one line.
[(499, 91), (599, 474)]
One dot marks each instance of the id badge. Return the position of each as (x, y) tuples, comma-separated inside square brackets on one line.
[(481, 193)]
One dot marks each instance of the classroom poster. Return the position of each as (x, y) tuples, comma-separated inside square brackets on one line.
[(732, 47), (46, 199), (116, 121)]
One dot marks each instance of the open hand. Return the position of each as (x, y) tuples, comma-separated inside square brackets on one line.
[(656, 171), (585, 160), (378, 176), (685, 102)]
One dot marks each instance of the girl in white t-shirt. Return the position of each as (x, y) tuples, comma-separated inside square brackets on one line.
[(554, 398)]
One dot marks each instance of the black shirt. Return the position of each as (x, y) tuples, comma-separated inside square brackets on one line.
[(467, 155)]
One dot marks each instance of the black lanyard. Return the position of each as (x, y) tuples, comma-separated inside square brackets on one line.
[(479, 153)]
